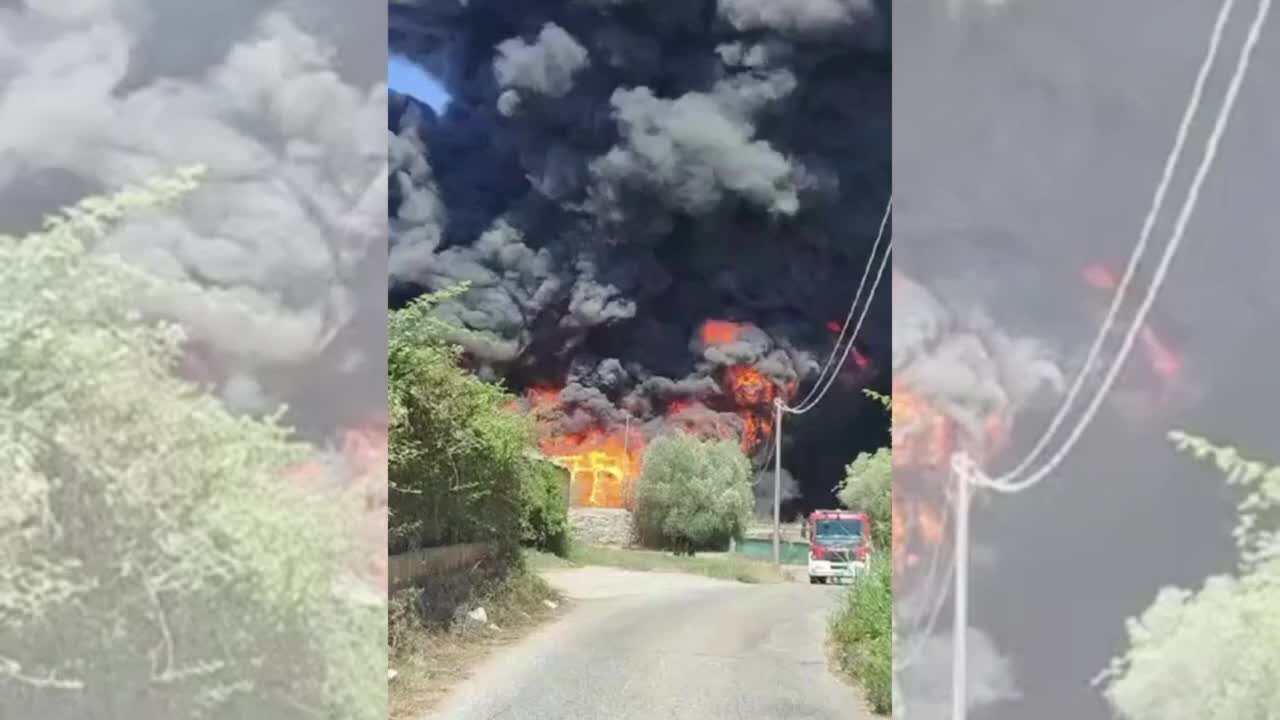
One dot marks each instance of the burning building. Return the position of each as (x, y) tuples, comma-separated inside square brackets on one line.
[(659, 210)]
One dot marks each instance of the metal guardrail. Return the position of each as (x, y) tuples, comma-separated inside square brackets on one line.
[(411, 568)]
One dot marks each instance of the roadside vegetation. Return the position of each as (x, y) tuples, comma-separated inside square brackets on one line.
[(862, 635), (861, 630), (693, 494), (462, 468), (157, 562), (1215, 652), (429, 657)]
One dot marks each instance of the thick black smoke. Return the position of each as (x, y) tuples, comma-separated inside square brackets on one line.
[(611, 175), (282, 103), (1030, 138)]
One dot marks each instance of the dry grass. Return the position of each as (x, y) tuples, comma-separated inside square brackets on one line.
[(713, 565), (432, 652)]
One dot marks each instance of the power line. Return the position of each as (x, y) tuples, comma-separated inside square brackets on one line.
[(853, 306), (780, 408), (1148, 225), (824, 384), (965, 471), (1005, 483), (843, 351), (810, 400)]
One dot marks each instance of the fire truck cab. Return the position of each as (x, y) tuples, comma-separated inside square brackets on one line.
[(839, 545)]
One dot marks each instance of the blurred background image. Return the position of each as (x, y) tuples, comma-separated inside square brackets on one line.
[(192, 402), (1029, 140)]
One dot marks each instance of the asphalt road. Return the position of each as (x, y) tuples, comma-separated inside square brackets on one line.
[(659, 646)]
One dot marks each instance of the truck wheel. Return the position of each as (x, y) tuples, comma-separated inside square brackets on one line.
[(814, 580)]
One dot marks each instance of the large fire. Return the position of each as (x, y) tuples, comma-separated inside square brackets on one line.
[(603, 466), (604, 463), (751, 392), (924, 438)]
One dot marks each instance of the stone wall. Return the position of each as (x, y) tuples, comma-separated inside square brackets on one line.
[(601, 526)]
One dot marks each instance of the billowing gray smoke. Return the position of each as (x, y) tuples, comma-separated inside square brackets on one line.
[(969, 369), (282, 103), (966, 365), (613, 175), (1029, 138)]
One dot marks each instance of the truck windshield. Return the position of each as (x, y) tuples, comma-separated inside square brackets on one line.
[(837, 531)]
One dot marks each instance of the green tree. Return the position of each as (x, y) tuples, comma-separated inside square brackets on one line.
[(1214, 653), (154, 562), (693, 493), (458, 465), (868, 486), (545, 524)]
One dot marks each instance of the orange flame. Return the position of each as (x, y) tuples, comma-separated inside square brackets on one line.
[(753, 394), (364, 452), (603, 467), (365, 449), (543, 396), (1163, 360), (922, 435), (719, 332), (923, 439), (749, 386), (604, 463)]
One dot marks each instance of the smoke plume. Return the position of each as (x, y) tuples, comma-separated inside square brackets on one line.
[(659, 208), (282, 105)]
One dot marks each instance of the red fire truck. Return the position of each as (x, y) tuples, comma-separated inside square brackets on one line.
[(839, 545)]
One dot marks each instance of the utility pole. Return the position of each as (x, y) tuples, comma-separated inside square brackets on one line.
[(777, 483), (960, 624)]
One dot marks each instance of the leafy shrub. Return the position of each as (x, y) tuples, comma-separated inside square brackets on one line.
[(868, 487), (546, 509), (156, 561), (1214, 653), (693, 494), (862, 634), (457, 463)]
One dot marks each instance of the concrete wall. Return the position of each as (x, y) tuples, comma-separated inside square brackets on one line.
[(602, 526)]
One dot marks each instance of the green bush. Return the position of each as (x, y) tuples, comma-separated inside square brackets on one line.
[(1215, 652), (862, 634), (155, 560), (457, 456), (868, 487), (693, 494), (545, 525)]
